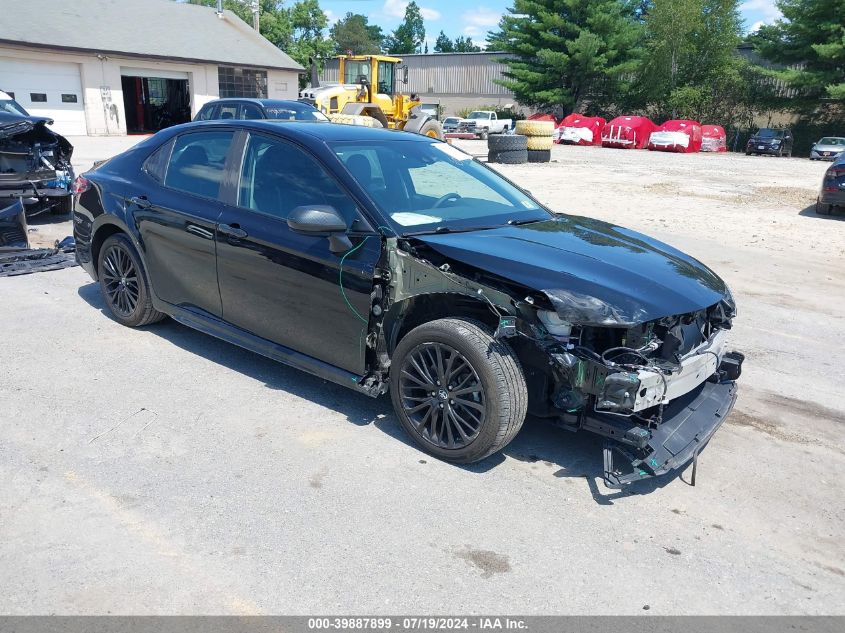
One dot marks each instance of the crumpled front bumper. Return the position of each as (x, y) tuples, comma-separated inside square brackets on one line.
[(688, 424)]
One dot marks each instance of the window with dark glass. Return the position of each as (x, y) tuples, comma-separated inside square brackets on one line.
[(68, 98), (277, 177), (251, 111), (156, 164), (197, 162), (38, 97), (234, 81)]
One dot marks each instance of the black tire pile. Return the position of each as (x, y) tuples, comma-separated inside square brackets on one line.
[(507, 149), (539, 139)]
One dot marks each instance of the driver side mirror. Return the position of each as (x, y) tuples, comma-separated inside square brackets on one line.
[(321, 219)]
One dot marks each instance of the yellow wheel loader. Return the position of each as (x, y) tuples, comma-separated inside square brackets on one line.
[(367, 95)]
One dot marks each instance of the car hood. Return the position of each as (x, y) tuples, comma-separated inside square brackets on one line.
[(594, 273), (13, 124)]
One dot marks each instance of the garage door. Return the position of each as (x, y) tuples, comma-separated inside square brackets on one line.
[(50, 89)]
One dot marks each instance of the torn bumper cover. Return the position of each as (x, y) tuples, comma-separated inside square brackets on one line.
[(688, 424)]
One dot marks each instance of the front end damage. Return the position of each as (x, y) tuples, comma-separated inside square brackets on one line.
[(656, 389)]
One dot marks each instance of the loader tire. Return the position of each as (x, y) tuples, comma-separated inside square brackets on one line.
[(506, 142), (432, 129), (510, 157), (539, 142), (539, 155), (535, 128)]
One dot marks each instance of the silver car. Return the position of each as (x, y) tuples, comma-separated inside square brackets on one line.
[(827, 148)]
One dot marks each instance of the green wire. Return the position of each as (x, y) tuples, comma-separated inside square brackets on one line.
[(340, 280)]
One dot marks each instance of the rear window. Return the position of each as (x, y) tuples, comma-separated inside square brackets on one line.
[(294, 112)]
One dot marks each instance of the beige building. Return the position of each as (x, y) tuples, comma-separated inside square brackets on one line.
[(112, 67)]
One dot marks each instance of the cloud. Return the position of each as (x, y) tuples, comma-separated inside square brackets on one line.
[(330, 16), (756, 26), (480, 20), (766, 9), (396, 9)]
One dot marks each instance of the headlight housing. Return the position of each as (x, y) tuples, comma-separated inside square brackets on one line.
[(556, 326)]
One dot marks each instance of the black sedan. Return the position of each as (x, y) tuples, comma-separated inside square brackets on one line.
[(832, 193), (276, 109), (394, 262)]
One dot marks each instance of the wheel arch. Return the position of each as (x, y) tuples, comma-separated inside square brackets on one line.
[(104, 230)]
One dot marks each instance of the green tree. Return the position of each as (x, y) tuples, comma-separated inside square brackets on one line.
[(566, 53), (811, 36), (443, 44), (465, 45), (410, 34), (690, 53), (353, 34)]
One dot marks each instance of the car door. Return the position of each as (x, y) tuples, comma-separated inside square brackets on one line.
[(177, 219), (289, 287)]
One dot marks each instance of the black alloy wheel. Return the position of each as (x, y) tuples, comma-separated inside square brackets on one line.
[(442, 396), (120, 281)]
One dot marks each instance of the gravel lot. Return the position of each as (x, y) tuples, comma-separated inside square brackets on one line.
[(160, 471)]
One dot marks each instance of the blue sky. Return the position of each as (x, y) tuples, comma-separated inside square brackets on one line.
[(476, 17)]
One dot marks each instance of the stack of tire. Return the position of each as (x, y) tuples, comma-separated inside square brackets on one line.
[(508, 149), (540, 136)]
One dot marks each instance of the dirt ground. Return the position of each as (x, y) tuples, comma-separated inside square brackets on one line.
[(162, 471)]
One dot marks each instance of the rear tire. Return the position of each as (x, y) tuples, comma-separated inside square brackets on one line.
[(124, 283), (480, 397), (822, 208), (539, 155), (506, 142)]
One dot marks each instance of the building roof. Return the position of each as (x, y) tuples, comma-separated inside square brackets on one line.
[(160, 29)]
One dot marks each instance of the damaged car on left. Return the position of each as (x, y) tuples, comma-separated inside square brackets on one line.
[(393, 262), (34, 161)]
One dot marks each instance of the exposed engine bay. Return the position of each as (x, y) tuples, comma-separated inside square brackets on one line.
[(657, 390), (34, 161)]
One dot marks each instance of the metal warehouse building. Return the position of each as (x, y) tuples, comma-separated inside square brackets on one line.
[(110, 67), (453, 80)]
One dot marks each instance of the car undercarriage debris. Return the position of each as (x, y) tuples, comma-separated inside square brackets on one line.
[(17, 258)]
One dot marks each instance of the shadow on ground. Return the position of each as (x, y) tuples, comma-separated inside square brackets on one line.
[(838, 213), (567, 455)]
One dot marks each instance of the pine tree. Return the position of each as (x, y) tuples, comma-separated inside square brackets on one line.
[(410, 34), (565, 53)]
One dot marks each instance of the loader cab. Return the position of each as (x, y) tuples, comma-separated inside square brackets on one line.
[(377, 72)]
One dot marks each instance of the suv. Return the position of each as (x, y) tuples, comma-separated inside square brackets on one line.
[(770, 141), (396, 262), (277, 109), (34, 161)]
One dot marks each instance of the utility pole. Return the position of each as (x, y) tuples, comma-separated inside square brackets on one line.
[(255, 15)]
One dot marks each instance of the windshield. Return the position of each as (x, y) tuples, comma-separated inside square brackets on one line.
[(428, 187), (11, 106), (451, 119), (767, 133), (832, 140), (294, 112), (479, 115)]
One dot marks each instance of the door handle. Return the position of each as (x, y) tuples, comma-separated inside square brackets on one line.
[(141, 201), (232, 230)]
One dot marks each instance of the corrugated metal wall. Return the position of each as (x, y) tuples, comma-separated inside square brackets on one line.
[(447, 74)]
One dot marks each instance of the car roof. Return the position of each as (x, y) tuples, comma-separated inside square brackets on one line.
[(327, 132), (269, 102)]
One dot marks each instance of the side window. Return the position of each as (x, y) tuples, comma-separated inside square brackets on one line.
[(228, 111), (197, 161), (277, 177), (251, 111), (156, 164), (206, 113)]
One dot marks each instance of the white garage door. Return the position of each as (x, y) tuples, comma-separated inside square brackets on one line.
[(50, 89)]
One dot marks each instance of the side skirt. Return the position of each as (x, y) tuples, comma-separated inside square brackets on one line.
[(209, 324)]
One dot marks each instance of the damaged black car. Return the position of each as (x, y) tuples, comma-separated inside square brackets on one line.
[(389, 262), (34, 164)]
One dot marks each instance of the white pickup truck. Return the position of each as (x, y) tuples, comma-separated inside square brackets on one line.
[(482, 123)]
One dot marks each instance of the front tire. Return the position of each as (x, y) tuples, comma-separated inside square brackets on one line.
[(432, 129), (124, 283), (480, 397)]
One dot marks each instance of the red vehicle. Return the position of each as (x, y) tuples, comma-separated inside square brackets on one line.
[(577, 129), (713, 138), (627, 132), (676, 135)]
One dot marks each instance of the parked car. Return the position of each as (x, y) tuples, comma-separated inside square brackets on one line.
[(277, 109), (770, 141), (832, 193), (34, 161), (450, 124), (827, 148), (396, 262), (482, 123)]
